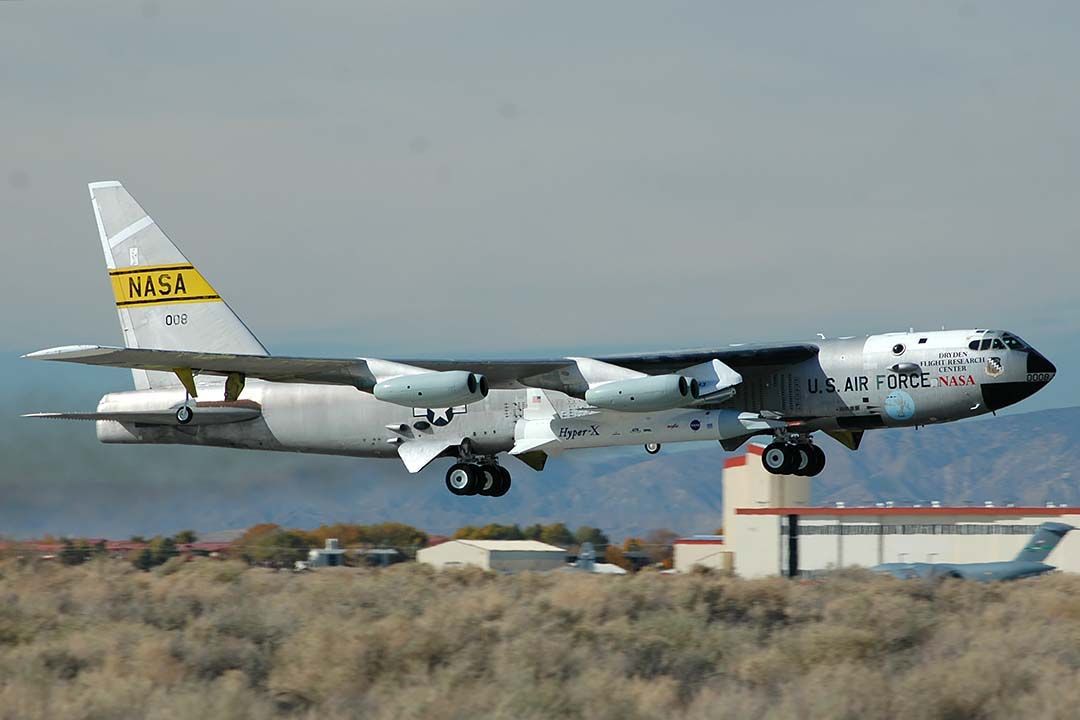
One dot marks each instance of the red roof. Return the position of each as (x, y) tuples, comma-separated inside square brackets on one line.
[(741, 460), (914, 511)]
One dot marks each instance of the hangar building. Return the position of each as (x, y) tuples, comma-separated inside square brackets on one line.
[(506, 556), (770, 528)]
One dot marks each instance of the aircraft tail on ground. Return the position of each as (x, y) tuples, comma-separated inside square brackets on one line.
[(1044, 541), (164, 303)]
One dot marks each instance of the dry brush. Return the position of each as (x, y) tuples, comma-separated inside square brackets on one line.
[(213, 639)]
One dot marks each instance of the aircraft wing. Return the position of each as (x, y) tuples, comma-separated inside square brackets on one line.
[(572, 376), (736, 356), (355, 372)]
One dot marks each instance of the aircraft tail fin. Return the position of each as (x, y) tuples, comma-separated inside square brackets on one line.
[(164, 303), (1043, 542)]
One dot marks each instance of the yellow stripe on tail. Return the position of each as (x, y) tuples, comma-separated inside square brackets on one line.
[(160, 285)]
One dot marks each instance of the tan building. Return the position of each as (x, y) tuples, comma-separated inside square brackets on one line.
[(706, 551), (507, 556), (770, 528)]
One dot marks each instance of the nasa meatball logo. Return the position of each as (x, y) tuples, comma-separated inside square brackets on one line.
[(899, 405), (695, 425), (994, 367)]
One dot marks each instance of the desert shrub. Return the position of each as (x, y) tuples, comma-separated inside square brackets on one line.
[(216, 639)]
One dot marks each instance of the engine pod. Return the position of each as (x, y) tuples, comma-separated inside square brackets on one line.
[(433, 389), (645, 394)]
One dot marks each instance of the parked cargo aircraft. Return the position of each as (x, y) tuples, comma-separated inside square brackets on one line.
[(1028, 563), (202, 378)]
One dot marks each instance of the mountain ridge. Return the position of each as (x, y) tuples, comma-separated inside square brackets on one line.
[(57, 479)]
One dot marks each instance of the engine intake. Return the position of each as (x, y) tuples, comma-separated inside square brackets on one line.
[(646, 394), (433, 389)]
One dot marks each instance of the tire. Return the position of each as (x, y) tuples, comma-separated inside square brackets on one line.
[(461, 479), (804, 461), (652, 448), (184, 414), (817, 461), (487, 480), (778, 459), (503, 485)]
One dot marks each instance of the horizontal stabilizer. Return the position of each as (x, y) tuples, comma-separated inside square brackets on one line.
[(202, 414)]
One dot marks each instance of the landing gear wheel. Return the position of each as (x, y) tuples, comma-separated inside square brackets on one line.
[(184, 414), (804, 459), (503, 485), (779, 458), (652, 448), (463, 479), (817, 461), (487, 480)]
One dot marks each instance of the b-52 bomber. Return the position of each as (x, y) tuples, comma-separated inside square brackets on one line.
[(202, 378)]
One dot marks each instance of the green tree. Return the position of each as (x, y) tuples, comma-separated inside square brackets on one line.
[(138, 539), (71, 554), (279, 547), (185, 537), (142, 559), (163, 549), (596, 536), (491, 531), (557, 534), (394, 534)]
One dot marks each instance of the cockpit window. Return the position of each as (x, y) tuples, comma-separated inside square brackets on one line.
[(997, 345), (973, 345), (1013, 342), (985, 344)]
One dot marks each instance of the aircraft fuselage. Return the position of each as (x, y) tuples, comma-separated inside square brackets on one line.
[(890, 380)]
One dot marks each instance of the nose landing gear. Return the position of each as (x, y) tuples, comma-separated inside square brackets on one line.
[(793, 458)]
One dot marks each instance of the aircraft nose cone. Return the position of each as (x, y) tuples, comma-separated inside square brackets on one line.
[(1037, 365), (1040, 371)]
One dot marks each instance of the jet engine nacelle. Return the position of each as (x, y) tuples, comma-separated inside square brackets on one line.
[(433, 389), (644, 394)]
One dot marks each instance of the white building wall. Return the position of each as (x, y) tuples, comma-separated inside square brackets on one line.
[(453, 554), (758, 550), (525, 560), (711, 555)]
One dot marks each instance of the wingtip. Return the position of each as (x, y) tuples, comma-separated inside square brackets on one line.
[(48, 353), (98, 184)]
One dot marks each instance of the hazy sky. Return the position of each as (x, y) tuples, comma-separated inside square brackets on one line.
[(505, 177)]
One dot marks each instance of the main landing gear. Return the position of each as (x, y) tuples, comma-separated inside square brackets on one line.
[(794, 458), (486, 479)]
